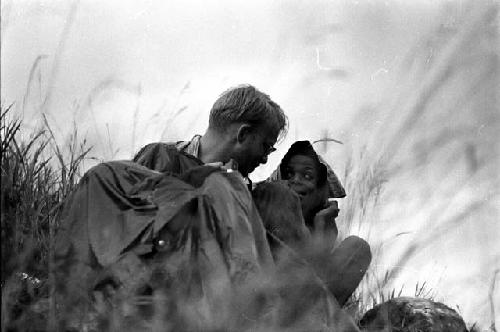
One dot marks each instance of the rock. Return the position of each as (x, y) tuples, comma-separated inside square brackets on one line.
[(410, 314)]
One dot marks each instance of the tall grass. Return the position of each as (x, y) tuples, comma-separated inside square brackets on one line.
[(36, 178), (38, 173), (429, 156)]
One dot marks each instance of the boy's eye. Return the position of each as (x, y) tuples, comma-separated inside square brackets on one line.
[(308, 176)]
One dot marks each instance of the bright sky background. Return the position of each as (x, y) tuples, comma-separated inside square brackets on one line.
[(320, 62), (122, 69)]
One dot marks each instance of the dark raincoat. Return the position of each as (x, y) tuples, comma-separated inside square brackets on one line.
[(164, 222), (343, 268)]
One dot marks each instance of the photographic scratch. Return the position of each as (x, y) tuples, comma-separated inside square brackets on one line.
[(318, 64), (378, 72)]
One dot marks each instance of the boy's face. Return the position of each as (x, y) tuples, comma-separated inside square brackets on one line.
[(302, 174)]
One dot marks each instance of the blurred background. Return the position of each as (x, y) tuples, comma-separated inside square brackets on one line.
[(410, 89)]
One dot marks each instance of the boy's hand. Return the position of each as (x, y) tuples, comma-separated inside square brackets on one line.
[(324, 221)]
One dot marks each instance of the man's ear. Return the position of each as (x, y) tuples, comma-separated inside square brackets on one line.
[(244, 132)]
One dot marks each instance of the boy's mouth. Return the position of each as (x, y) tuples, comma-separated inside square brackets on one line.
[(302, 194)]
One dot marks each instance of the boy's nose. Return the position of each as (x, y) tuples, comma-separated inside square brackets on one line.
[(295, 179)]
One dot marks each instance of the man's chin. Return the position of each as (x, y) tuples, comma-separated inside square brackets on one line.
[(246, 171)]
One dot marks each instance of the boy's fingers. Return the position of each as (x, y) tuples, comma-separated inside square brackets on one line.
[(333, 203), (319, 223)]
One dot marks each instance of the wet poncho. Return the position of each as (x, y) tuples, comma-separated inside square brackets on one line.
[(166, 227)]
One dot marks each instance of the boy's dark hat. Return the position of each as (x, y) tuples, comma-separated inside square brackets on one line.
[(335, 188)]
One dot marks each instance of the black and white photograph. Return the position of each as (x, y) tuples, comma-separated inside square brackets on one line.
[(267, 165)]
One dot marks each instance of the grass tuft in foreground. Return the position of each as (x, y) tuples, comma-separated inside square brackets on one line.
[(34, 186)]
